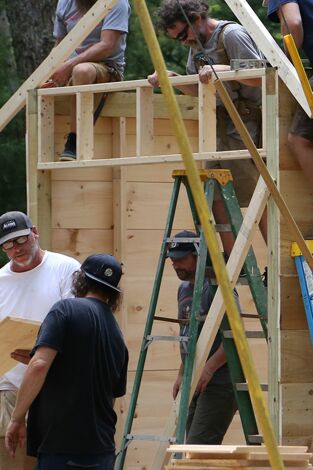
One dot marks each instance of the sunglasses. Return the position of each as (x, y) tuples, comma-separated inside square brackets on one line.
[(18, 241), (182, 36)]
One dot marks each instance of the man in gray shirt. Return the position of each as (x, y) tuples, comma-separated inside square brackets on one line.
[(221, 41), (98, 59)]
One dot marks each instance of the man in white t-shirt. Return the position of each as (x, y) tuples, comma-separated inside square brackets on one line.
[(30, 284)]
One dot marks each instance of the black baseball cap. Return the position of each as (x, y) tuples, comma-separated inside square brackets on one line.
[(103, 268), (177, 249), (14, 224)]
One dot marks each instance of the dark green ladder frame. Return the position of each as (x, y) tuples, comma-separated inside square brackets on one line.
[(220, 180)]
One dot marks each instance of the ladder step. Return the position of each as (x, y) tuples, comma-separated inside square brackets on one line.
[(249, 334), (255, 439), (243, 387), (181, 339), (223, 228), (150, 437)]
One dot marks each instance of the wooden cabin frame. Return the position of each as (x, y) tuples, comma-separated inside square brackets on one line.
[(132, 168)]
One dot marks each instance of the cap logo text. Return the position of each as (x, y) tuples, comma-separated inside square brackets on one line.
[(9, 224)]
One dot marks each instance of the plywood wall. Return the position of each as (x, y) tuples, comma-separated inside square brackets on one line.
[(296, 348), (123, 211)]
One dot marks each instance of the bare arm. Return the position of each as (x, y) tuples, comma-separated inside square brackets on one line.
[(217, 360), (32, 383), (178, 381), (191, 90), (290, 13)]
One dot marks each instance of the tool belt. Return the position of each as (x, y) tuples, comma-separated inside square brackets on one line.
[(248, 111)]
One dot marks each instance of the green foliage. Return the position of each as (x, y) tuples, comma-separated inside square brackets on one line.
[(12, 144)]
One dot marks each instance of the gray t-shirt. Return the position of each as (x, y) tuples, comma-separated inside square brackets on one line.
[(67, 16), (184, 298), (238, 45)]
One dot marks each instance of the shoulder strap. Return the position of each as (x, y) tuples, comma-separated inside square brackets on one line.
[(222, 57)]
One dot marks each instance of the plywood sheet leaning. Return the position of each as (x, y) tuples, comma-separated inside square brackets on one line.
[(211, 457), (15, 333)]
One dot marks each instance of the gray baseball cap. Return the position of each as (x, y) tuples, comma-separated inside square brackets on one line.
[(14, 224)]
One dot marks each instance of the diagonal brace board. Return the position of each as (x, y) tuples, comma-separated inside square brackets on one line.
[(217, 309), (60, 53), (270, 49)]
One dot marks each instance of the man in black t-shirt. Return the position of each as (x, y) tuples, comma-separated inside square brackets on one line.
[(78, 368), (213, 405)]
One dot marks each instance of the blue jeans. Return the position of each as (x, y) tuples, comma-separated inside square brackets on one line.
[(75, 462)]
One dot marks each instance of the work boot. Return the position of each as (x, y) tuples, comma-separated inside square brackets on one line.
[(69, 152)]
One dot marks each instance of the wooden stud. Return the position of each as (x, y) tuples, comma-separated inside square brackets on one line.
[(144, 121), (46, 129), (85, 126), (272, 152), (207, 118)]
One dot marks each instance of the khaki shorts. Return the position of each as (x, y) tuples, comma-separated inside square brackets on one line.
[(302, 125), (105, 73), (7, 403)]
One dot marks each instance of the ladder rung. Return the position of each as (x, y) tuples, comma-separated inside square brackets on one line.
[(249, 334), (183, 240), (243, 387), (181, 339), (255, 439), (150, 437), (223, 228), (242, 281)]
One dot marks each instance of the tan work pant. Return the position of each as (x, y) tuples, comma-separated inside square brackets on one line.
[(21, 461)]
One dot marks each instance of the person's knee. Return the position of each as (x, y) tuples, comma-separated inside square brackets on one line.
[(84, 73)]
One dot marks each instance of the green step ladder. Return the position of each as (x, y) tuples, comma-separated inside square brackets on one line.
[(212, 180)]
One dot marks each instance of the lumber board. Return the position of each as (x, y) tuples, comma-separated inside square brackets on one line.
[(297, 356), (121, 103), (82, 174), (297, 406), (293, 317), (82, 204), (15, 333), (80, 243), (87, 23), (153, 198)]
